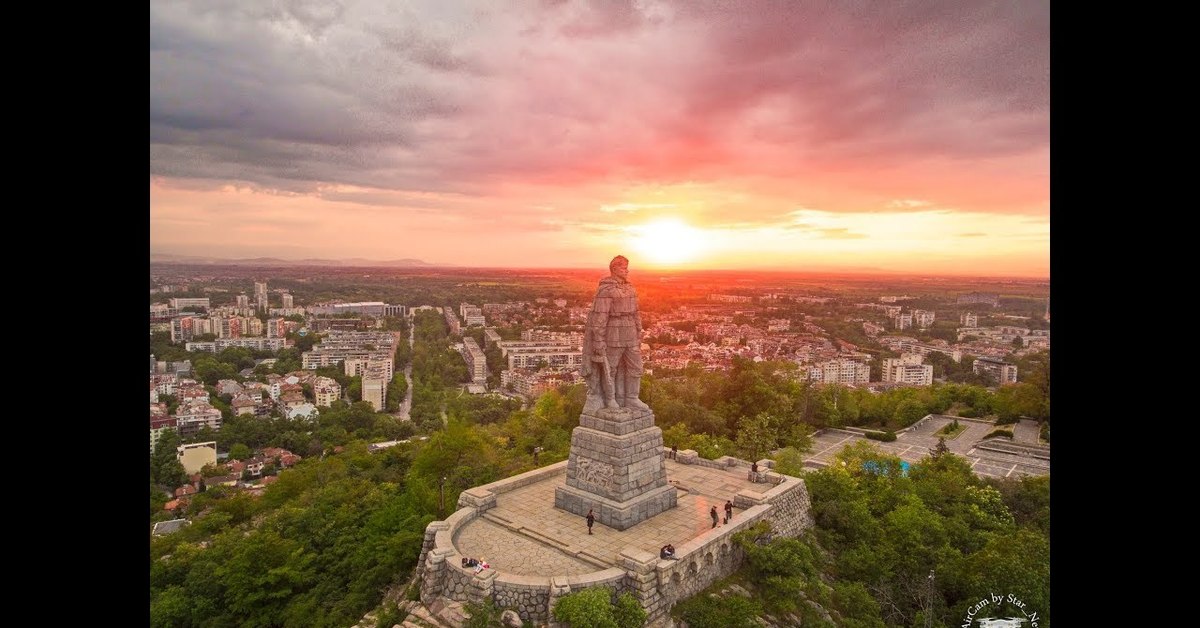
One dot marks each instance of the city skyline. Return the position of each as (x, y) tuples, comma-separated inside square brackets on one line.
[(912, 137)]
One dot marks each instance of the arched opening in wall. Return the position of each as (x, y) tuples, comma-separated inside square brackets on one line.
[(676, 578), (708, 559), (724, 549), (693, 569)]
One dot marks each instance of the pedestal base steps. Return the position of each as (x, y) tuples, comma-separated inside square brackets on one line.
[(616, 515), (616, 469)]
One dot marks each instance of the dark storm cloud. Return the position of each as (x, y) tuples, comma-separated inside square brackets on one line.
[(464, 96)]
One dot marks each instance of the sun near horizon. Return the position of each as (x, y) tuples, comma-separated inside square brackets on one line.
[(742, 135), (668, 242)]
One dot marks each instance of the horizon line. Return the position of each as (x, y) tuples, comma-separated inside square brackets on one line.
[(645, 268)]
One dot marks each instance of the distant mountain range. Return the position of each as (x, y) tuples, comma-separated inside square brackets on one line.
[(165, 258)]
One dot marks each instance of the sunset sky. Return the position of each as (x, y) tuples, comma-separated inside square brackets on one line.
[(873, 135)]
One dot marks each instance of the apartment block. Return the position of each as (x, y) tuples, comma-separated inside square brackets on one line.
[(840, 371), (1002, 371), (374, 386), (327, 391), (180, 303), (526, 354), (476, 361)]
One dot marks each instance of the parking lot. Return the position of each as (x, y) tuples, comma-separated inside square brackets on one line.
[(913, 445)]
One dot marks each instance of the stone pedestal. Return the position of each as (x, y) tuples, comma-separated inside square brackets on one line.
[(616, 469)]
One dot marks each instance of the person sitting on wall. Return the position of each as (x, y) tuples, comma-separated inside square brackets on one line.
[(667, 552)]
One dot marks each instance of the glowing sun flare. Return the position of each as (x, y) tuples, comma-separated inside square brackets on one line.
[(667, 241)]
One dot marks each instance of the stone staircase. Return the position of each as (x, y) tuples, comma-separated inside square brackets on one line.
[(1040, 452)]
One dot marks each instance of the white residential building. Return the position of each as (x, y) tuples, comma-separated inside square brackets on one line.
[(192, 416), (260, 295), (840, 371), (779, 324), (923, 318), (327, 391), (339, 346), (1002, 371), (180, 303), (906, 359), (523, 354), (476, 361), (572, 338), (221, 344), (374, 386), (915, 374)]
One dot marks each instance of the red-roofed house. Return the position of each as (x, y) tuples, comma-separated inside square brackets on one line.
[(243, 404)]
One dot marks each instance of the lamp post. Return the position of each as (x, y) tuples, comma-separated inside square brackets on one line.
[(929, 611), (536, 451), (442, 497)]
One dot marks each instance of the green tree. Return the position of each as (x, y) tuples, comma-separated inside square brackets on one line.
[(240, 451), (790, 461), (735, 611), (594, 608), (460, 453), (165, 468), (908, 412), (756, 436), (1017, 562)]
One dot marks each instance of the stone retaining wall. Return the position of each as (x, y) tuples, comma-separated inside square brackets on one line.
[(657, 584)]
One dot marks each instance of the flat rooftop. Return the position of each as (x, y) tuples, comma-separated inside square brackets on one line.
[(524, 534)]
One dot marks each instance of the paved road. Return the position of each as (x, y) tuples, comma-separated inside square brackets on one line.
[(406, 405), (1026, 432)]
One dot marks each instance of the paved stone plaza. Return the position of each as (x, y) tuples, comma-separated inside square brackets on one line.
[(913, 445), (525, 534)]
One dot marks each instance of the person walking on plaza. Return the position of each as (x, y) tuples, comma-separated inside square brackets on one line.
[(728, 511), (591, 519), (715, 517)]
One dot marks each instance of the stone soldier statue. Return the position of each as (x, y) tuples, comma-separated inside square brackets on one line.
[(612, 345)]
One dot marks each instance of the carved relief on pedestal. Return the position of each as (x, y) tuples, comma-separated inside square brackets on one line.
[(595, 473)]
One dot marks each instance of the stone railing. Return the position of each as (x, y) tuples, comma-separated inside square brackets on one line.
[(724, 463), (699, 562), (500, 487)]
